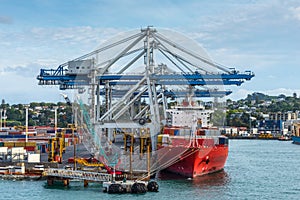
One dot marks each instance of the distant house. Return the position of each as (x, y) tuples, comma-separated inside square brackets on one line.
[(274, 126), (284, 116), (38, 108), (245, 107)]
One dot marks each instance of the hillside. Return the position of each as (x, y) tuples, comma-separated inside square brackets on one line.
[(238, 112)]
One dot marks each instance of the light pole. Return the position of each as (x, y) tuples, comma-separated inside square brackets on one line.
[(4, 117), (73, 131), (55, 120), (1, 110), (26, 123), (249, 122)]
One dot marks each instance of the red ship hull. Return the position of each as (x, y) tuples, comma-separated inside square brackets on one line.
[(200, 159), (198, 164)]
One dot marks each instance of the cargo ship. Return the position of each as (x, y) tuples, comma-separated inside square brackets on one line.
[(190, 146)]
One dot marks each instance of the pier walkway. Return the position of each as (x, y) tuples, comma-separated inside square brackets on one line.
[(77, 174)]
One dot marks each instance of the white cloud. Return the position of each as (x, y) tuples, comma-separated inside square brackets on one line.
[(295, 11), (52, 45), (239, 94), (24, 71), (278, 91), (241, 35), (246, 60), (27, 52), (23, 89), (82, 34)]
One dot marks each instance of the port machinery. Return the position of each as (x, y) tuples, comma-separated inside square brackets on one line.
[(125, 86)]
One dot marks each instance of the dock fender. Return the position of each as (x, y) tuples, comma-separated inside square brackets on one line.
[(152, 186), (115, 189), (138, 188)]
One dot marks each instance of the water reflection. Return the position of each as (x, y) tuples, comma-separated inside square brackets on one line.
[(216, 179), (220, 178)]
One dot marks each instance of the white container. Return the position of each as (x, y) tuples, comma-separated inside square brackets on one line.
[(3, 150), (165, 140), (34, 158), (17, 153)]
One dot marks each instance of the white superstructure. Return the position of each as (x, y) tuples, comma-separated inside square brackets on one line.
[(185, 115)]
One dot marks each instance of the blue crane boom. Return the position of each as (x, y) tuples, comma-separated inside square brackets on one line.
[(70, 81), (85, 71)]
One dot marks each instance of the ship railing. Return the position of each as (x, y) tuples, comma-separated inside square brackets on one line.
[(77, 174)]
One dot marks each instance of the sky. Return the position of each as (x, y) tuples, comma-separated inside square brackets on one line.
[(260, 36)]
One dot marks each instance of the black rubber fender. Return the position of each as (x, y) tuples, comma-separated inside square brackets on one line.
[(115, 189), (138, 188), (152, 186)]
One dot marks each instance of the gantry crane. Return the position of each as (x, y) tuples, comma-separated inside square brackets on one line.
[(136, 67)]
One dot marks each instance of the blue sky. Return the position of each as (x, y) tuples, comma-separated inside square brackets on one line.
[(261, 36)]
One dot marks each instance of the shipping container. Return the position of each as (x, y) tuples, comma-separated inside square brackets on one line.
[(43, 148), (30, 148), (166, 130), (51, 131), (12, 136), (30, 144), (165, 140), (9, 144), (3, 133), (159, 138), (19, 144), (14, 133), (3, 150), (34, 158)]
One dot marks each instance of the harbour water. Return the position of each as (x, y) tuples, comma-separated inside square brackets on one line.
[(255, 169)]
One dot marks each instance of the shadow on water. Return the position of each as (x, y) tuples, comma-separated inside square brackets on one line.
[(74, 186), (220, 178)]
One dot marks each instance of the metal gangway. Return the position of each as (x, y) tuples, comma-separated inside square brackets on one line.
[(77, 174)]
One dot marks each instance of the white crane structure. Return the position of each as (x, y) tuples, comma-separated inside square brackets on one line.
[(125, 86)]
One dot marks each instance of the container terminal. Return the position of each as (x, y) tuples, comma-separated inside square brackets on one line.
[(138, 109)]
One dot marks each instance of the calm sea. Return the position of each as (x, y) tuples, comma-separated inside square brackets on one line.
[(255, 169)]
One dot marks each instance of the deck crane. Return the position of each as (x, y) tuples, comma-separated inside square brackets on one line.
[(146, 64)]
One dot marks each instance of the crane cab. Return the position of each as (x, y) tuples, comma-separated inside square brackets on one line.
[(80, 67)]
